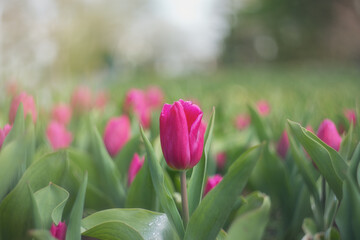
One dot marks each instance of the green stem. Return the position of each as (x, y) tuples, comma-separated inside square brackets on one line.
[(184, 198), (323, 196)]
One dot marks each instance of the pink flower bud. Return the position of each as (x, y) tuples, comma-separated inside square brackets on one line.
[(59, 231), (181, 134), (155, 97), (137, 102), (58, 136), (242, 121), (283, 145), (263, 107), (212, 182), (117, 133), (220, 160), (3, 133), (61, 113), (81, 99), (28, 105), (328, 133), (309, 128), (101, 100), (135, 166), (350, 115)]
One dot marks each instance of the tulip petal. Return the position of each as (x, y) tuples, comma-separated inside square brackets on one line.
[(196, 140), (174, 136), (192, 112)]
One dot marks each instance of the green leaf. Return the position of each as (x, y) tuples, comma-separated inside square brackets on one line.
[(141, 193), (259, 125), (124, 157), (15, 209), (252, 218), (110, 178), (329, 162), (197, 180), (18, 128), (332, 234), (73, 230), (346, 144), (147, 224), (162, 192), (211, 214), (354, 163), (113, 231), (309, 226), (41, 235), (51, 201)]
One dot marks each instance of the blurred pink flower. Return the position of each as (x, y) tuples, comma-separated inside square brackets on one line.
[(12, 88), (58, 136), (59, 231), (61, 113), (81, 99), (350, 114), (135, 166), (220, 160), (28, 105), (283, 145), (242, 121), (136, 101), (3, 133), (101, 100), (117, 133), (328, 133), (263, 107), (155, 96), (212, 182)]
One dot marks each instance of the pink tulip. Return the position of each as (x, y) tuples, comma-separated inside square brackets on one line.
[(263, 107), (61, 113), (135, 166), (59, 231), (309, 128), (155, 97), (328, 133), (283, 145), (81, 99), (242, 121), (58, 136), (350, 115), (137, 102), (28, 105), (181, 134), (3, 133), (220, 160), (12, 88), (212, 182), (117, 133), (101, 100)]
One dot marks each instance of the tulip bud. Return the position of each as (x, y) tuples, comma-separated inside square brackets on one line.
[(61, 113), (220, 160), (3, 133), (81, 99), (283, 145), (263, 107), (101, 100), (328, 133), (28, 105), (350, 115), (58, 136), (242, 121), (212, 182), (135, 166), (181, 134), (137, 102), (155, 97), (117, 133), (59, 231)]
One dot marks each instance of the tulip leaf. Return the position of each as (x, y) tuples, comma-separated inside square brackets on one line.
[(51, 201), (109, 175), (211, 214), (306, 170), (346, 144), (141, 193), (252, 218), (15, 209), (329, 162), (162, 192), (309, 226), (73, 230), (197, 180), (124, 157), (354, 163), (41, 235), (259, 125), (134, 222), (114, 230), (18, 128)]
